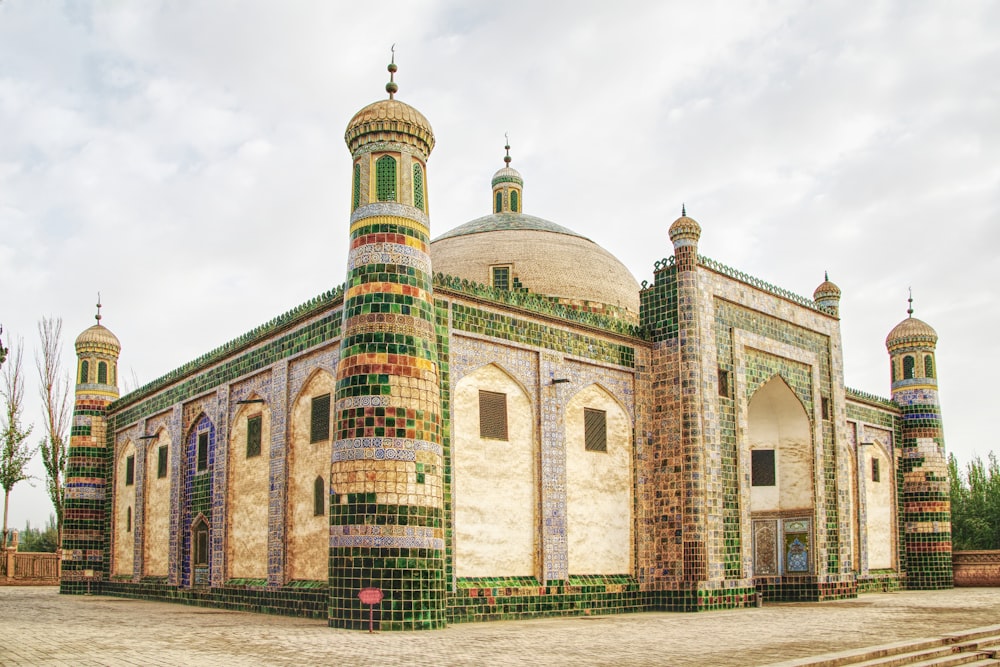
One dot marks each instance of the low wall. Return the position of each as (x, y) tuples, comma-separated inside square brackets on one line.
[(28, 569), (976, 568)]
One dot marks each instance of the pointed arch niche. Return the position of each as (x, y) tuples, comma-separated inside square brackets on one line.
[(495, 478), (777, 422), (598, 483), (124, 535), (308, 533), (156, 531), (248, 495)]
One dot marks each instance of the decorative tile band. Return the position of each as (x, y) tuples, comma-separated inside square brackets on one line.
[(377, 449)]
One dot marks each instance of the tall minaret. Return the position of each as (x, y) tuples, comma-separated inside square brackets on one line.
[(926, 505), (387, 506), (88, 468)]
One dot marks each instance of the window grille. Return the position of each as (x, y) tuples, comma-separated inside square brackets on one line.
[(513, 201), (253, 435), (319, 428), (928, 366), (723, 383), (202, 451), (319, 497), (385, 178), (499, 203), (84, 371), (356, 201), (129, 470), (501, 277), (762, 467), (201, 543), (418, 186), (161, 462), (102, 373), (492, 415), (595, 429), (908, 367), (875, 471)]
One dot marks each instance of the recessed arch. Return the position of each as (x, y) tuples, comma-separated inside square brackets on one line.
[(777, 422), (307, 534), (879, 487), (124, 495), (494, 490), (248, 490), (598, 484), (156, 518)]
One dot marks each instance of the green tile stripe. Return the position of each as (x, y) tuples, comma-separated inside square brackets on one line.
[(475, 320), (390, 228), (536, 303)]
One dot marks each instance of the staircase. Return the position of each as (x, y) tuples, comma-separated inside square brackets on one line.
[(979, 647)]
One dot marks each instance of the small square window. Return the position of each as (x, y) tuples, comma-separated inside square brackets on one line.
[(202, 451), (762, 467), (595, 427), (319, 428), (492, 415), (129, 470), (875, 471), (501, 277), (253, 435), (723, 383), (161, 462)]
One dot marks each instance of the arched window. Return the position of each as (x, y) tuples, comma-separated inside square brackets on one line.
[(319, 495), (907, 367), (929, 366), (357, 186), (84, 371), (499, 203), (102, 372), (385, 178), (113, 367), (513, 201), (128, 520), (199, 541), (418, 186)]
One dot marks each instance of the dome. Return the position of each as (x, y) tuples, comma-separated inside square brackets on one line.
[(98, 336), (911, 330), (826, 291), (684, 228), (544, 258), (507, 175), (380, 120)]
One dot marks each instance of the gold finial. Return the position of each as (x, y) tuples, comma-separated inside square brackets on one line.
[(909, 311), (506, 158), (98, 316), (391, 87)]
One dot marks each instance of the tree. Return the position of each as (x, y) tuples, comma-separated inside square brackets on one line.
[(14, 450), (35, 540), (54, 393), (975, 504), (3, 350)]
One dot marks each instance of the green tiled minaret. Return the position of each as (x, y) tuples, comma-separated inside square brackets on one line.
[(86, 523), (387, 509), (923, 466)]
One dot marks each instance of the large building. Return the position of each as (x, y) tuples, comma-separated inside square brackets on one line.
[(501, 423)]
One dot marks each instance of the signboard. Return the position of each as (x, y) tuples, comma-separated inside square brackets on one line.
[(370, 596)]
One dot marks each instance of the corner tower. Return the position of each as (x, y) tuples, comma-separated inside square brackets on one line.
[(386, 505), (88, 470), (923, 467)]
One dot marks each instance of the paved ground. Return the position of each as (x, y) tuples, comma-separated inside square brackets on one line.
[(40, 627)]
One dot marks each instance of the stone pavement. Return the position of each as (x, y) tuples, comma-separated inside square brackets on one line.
[(40, 627)]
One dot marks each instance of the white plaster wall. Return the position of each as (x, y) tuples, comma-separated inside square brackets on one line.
[(124, 539), (248, 497), (878, 500), (494, 489), (598, 489), (156, 532), (778, 421), (308, 535)]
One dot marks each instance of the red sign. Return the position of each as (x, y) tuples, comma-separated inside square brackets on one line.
[(370, 595)]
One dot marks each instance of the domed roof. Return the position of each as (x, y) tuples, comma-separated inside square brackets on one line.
[(684, 228), (98, 336), (544, 257), (507, 175), (389, 116), (826, 290), (911, 330)]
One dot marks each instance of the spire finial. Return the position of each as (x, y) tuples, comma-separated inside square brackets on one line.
[(826, 276), (506, 158), (391, 87), (98, 316), (909, 311), (683, 210)]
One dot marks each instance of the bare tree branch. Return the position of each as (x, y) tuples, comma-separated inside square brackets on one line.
[(54, 392), (14, 451)]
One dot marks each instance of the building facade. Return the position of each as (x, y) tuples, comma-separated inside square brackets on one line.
[(501, 423)]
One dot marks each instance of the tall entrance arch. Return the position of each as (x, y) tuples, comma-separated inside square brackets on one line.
[(782, 485)]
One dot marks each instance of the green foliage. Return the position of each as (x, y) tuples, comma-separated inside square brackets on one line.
[(39, 540), (975, 504)]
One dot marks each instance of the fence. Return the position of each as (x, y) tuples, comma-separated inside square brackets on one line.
[(28, 568), (976, 568)]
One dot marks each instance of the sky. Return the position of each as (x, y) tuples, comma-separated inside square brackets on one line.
[(186, 159)]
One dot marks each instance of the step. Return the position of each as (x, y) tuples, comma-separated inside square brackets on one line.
[(976, 646), (941, 655)]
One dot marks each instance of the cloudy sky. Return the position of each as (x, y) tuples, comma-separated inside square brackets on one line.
[(186, 159)]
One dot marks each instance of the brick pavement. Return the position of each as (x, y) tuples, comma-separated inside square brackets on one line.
[(40, 627)]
